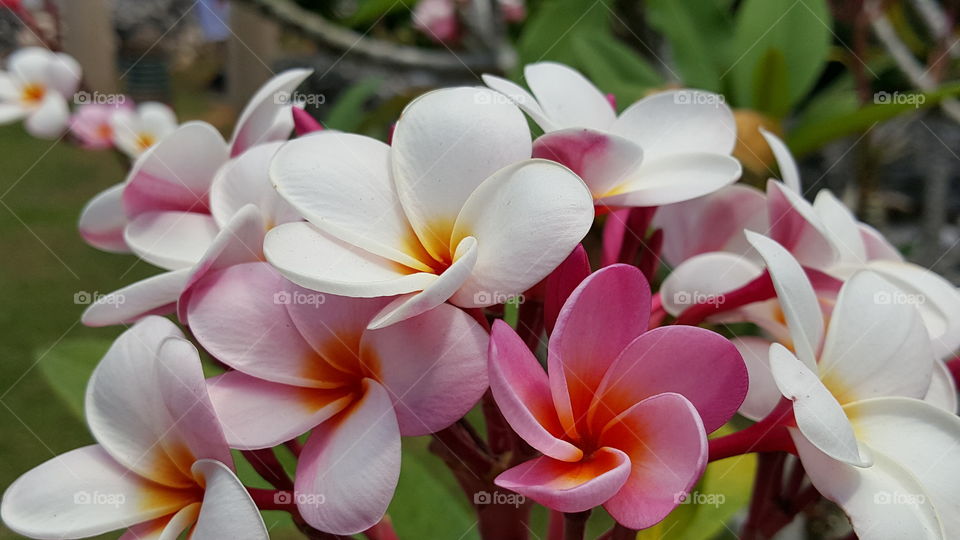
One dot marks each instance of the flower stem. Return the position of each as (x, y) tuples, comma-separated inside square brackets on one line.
[(767, 435), (575, 525), (267, 465)]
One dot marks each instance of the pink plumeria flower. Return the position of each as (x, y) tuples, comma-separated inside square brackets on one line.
[(92, 124), (437, 19), (164, 210), (453, 211), (35, 88), (669, 147), (622, 414), (706, 236), (136, 130), (865, 437), (305, 361), (162, 465)]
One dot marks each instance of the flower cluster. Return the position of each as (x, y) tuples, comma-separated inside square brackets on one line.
[(354, 292)]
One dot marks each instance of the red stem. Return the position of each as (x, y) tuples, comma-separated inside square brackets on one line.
[(267, 465), (954, 366), (555, 526), (575, 525), (382, 530), (767, 435)]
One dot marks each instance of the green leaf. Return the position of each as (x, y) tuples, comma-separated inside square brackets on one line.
[(800, 29), (428, 503), (724, 489), (771, 94), (347, 113), (815, 134), (547, 33), (613, 66), (369, 11), (67, 366), (698, 32)]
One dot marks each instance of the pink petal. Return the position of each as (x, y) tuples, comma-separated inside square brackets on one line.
[(102, 220), (303, 122), (266, 118), (569, 486), (156, 295), (522, 392), (170, 240), (602, 160), (795, 225), (561, 283), (604, 314), (239, 314), (614, 231), (701, 365), (422, 358), (667, 447), (350, 466), (260, 414)]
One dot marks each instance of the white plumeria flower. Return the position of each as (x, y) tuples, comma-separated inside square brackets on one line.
[(35, 88), (136, 130), (669, 147), (162, 465), (186, 201), (865, 438), (454, 210), (704, 239)]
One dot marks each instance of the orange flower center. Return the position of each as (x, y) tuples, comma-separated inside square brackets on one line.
[(32, 93)]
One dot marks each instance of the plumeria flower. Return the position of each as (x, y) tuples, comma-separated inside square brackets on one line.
[(164, 210), (162, 465), (453, 211), (92, 124), (865, 437), (136, 130), (669, 147), (704, 238), (305, 361), (35, 88), (622, 414)]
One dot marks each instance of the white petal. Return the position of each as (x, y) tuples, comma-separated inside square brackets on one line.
[(679, 122), (526, 218), (246, 180), (842, 227), (11, 112), (876, 344), (64, 74), (922, 439), (156, 295), (522, 98), (762, 393), (446, 285), (796, 226), (267, 117), (445, 144), (84, 493), (883, 501), (674, 178), (102, 220), (706, 278), (341, 183), (50, 119), (170, 240), (312, 259), (156, 119), (227, 510), (943, 389), (789, 173), (567, 97), (818, 414), (796, 296)]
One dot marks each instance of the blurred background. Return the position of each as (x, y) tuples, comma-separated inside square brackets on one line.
[(862, 91)]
